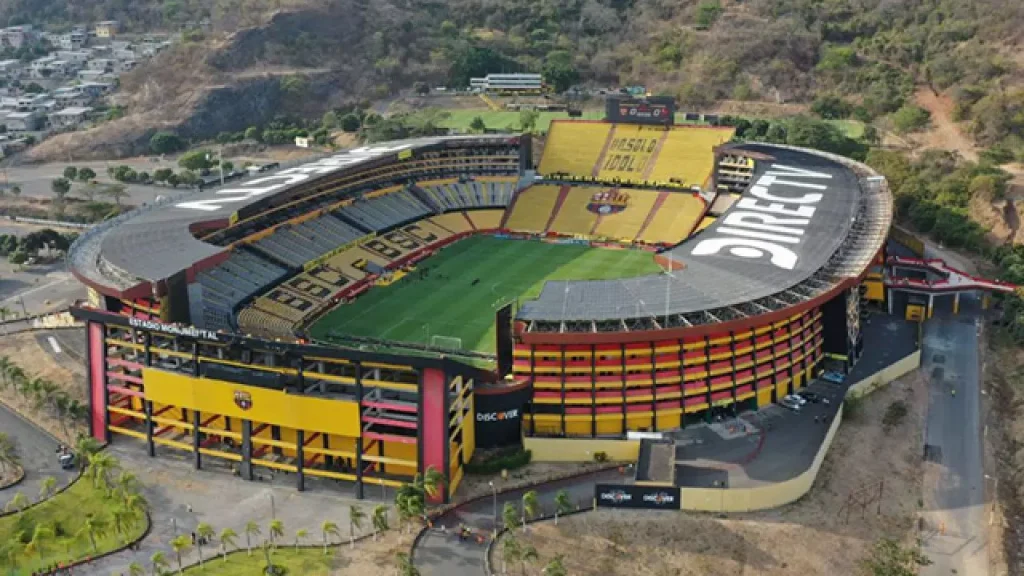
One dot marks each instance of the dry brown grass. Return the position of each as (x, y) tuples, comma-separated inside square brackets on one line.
[(809, 537), (25, 351), (369, 557)]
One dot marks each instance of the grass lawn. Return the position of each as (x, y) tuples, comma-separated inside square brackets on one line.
[(500, 120), (448, 303), (64, 514), (301, 562)]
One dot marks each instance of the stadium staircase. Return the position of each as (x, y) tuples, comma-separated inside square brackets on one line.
[(649, 169), (571, 216), (676, 219), (596, 169), (425, 197), (511, 207), (468, 219), (563, 191)]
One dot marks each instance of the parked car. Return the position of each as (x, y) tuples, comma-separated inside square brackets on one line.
[(809, 396), (791, 402), (833, 376), (797, 398)]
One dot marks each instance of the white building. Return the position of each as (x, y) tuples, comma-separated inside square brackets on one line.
[(11, 69), (74, 40), (21, 121), (70, 117), (106, 29), (507, 83), (101, 64), (72, 96)]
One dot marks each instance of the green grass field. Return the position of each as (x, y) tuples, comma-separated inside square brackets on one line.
[(447, 303), (501, 120)]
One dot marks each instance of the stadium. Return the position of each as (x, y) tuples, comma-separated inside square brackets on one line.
[(373, 313)]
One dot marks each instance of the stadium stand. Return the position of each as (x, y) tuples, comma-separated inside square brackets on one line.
[(285, 304), (486, 219), (427, 231), (674, 219), (263, 324), (689, 154), (573, 217), (386, 211), (234, 280), (345, 262), (627, 224), (574, 150), (454, 222), (533, 208)]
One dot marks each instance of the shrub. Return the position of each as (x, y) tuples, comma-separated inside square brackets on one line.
[(894, 415), (853, 407), (910, 118), (504, 460)]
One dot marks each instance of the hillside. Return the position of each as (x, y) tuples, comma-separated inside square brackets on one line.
[(257, 59)]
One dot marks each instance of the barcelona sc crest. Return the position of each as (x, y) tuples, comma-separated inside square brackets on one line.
[(243, 399), (608, 202)]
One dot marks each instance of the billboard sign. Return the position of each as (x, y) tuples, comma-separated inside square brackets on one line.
[(638, 497), (654, 110)]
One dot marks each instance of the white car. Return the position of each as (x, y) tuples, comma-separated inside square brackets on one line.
[(791, 402), (797, 398)]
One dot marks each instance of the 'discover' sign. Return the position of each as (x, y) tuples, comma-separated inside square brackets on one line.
[(644, 497)]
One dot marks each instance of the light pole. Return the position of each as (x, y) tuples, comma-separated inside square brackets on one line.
[(494, 490), (273, 510)]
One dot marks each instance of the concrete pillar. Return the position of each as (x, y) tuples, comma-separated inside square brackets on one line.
[(889, 299), (195, 438), (985, 298), (300, 440), (931, 306), (246, 470), (956, 303)]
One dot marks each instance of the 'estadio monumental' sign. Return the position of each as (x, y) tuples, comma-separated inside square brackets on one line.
[(771, 220)]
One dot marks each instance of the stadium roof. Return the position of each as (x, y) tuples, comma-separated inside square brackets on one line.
[(809, 221), (153, 243)]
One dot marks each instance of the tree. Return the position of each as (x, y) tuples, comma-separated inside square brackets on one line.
[(17, 502), (560, 75), (871, 135), (528, 120), (328, 529), (555, 567), (527, 555), (60, 187), (227, 537), (41, 536), (227, 166), (188, 178), (889, 558), (562, 504), (161, 174), (252, 133), (707, 12), (101, 465), (204, 532), (8, 448), (70, 173), (830, 106), (910, 118), (477, 125), (180, 544), (85, 447), (116, 192), (510, 516), (173, 180), (16, 190), (165, 143), (530, 505), (136, 569), (380, 520), (355, 520), (404, 565), (350, 123), (275, 530), (329, 120), (34, 88), (421, 88), (93, 527), (159, 562), (47, 487), (251, 529), (196, 160), (511, 550)]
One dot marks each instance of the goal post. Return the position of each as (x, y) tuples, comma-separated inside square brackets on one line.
[(446, 342)]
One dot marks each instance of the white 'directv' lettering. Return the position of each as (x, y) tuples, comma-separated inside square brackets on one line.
[(751, 231)]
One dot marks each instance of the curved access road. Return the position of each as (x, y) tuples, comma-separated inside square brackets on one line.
[(38, 452)]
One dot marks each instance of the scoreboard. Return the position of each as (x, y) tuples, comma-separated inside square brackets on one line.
[(653, 110)]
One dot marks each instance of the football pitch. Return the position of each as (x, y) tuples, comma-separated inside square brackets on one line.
[(464, 285)]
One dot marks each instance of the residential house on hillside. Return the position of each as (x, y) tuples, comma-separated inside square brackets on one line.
[(11, 69), (17, 36), (21, 121), (69, 117), (107, 29), (95, 89), (41, 67), (76, 57), (105, 65), (72, 96), (74, 40)]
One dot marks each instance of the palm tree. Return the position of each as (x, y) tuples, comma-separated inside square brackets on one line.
[(433, 481), (327, 529), (136, 503), (136, 569), (562, 504), (47, 487), (275, 531), (510, 516), (380, 520), (94, 527), (101, 465), (227, 537), (17, 502), (204, 532), (159, 562), (85, 447), (180, 545), (41, 537), (5, 362), (8, 452), (529, 506), (124, 519), (300, 534), (127, 483), (511, 550), (11, 550), (251, 529), (555, 567), (404, 565), (355, 520), (527, 555)]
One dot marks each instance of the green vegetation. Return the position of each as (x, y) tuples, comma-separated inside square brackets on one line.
[(891, 558), (305, 561), (450, 302), (505, 120), (506, 459), (99, 513)]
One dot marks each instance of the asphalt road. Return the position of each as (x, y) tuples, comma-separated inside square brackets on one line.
[(955, 531), (38, 452), (442, 553)]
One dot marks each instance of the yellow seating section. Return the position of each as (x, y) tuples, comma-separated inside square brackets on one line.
[(343, 262), (453, 221), (704, 223), (259, 323), (427, 231), (627, 224), (630, 153), (573, 217), (309, 288), (574, 147), (533, 208), (486, 219), (688, 154), (676, 217), (328, 277), (285, 303)]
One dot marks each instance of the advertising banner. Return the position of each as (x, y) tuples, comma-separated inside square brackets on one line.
[(637, 497)]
